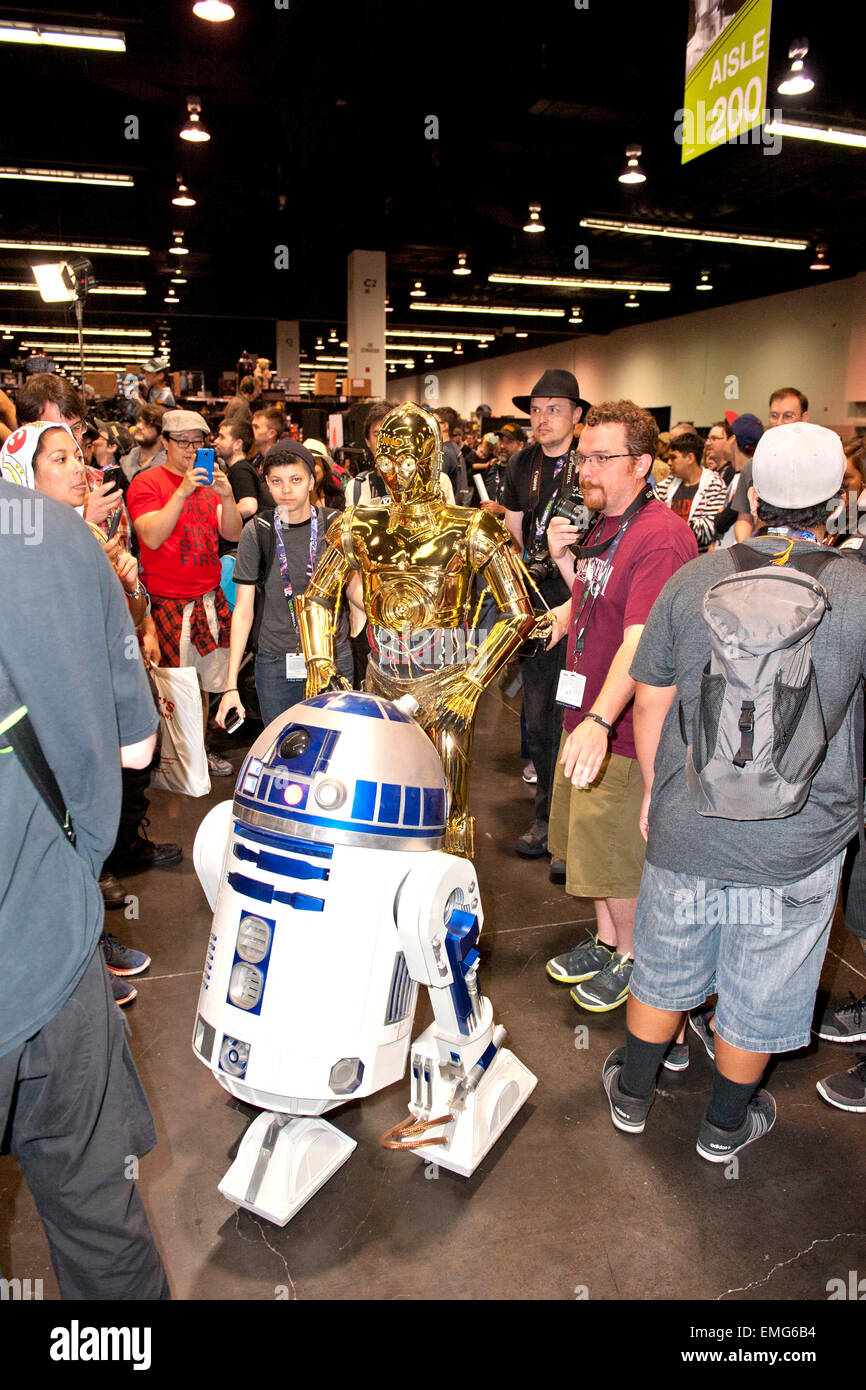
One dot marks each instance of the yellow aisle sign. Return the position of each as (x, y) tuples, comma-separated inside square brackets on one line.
[(726, 76)]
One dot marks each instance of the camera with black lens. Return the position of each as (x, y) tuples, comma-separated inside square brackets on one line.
[(539, 564), (573, 508)]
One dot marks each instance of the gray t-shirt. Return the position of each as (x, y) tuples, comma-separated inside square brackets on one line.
[(69, 647), (673, 650), (278, 634)]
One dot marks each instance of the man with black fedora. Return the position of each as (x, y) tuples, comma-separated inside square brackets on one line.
[(534, 479)]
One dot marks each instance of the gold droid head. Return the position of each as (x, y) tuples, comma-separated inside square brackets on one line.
[(409, 454)]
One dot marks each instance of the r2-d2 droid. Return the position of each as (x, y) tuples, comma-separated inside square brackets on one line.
[(332, 902)]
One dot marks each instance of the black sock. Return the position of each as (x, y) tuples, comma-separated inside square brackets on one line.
[(729, 1102), (642, 1061)]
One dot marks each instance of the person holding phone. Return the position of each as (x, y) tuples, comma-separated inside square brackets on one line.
[(180, 511)]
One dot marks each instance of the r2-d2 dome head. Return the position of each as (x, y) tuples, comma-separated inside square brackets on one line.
[(349, 768)]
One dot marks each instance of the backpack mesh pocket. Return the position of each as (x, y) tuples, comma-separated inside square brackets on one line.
[(799, 735), (707, 718)]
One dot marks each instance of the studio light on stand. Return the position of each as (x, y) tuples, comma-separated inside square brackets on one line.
[(67, 282)]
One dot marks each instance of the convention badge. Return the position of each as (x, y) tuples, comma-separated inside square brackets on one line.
[(296, 666), (570, 690)]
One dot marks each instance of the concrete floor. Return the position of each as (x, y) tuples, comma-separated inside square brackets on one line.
[(563, 1207)]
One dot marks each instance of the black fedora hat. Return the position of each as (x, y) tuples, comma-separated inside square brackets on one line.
[(554, 383)]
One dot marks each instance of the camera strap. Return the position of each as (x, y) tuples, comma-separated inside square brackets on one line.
[(588, 552), (567, 475)]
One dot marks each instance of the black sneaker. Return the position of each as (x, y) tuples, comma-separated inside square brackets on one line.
[(628, 1114), (677, 1057), (533, 843), (609, 988), (846, 1089), (718, 1145), (144, 853), (699, 1022), (845, 1023), (585, 961)]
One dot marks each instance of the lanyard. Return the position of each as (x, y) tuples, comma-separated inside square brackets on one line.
[(590, 551), (570, 471), (284, 563)]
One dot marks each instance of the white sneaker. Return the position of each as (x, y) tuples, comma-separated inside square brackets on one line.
[(530, 776)]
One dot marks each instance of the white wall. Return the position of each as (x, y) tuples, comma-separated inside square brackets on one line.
[(814, 339)]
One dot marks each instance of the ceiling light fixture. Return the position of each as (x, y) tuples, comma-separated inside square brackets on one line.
[(89, 248), (828, 135), (505, 309), (534, 222), (632, 172), (388, 306), (332, 337), (770, 243), (569, 282), (418, 291), (576, 316), (428, 358), (59, 36), (171, 299), (194, 130), (217, 11), (461, 268), (437, 337), (704, 282), (97, 289), (73, 332), (178, 249), (632, 302), (178, 279), (797, 82), (458, 351), (183, 197), (820, 262), (66, 176), (522, 334)]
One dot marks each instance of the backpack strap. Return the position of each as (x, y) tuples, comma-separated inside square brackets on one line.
[(18, 735), (812, 561)]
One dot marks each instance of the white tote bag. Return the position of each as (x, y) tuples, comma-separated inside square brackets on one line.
[(183, 760)]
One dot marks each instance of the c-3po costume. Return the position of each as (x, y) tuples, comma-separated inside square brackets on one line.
[(417, 558)]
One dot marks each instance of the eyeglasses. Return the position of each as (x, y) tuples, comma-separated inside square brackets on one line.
[(601, 460), (785, 418), (186, 443)]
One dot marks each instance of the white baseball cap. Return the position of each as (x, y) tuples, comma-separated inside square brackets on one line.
[(798, 465)]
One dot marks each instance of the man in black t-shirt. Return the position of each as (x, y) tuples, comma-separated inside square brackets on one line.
[(535, 477), (233, 444)]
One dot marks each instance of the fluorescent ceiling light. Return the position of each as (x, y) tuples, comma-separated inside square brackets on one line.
[(446, 337), (73, 332), (773, 243), (59, 36), (567, 282), (98, 289), (829, 135), (66, 176), (90, 247), (506, 310)]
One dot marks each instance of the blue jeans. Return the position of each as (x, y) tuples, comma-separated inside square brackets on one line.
[(760, 948), (277, 694)]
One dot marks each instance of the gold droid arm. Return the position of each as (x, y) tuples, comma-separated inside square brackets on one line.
[(490, 552), (317, 609)]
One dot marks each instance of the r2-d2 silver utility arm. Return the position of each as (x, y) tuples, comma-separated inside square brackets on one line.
[(332, 902)]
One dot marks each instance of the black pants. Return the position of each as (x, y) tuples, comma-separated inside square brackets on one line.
[(543, 719), (854, 889), (74, 1115)]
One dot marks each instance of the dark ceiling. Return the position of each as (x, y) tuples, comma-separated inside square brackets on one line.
[(317, 115)]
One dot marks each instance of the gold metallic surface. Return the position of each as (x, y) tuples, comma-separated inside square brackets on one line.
[(417, 559)]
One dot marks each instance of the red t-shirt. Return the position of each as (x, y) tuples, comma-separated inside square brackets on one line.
[(653, 546), (187, 563)]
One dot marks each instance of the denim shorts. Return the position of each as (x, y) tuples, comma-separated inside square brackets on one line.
[(760, 949)]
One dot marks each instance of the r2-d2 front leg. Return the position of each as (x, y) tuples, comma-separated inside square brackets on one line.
[(465, 1086)]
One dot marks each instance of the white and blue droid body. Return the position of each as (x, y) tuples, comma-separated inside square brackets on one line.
[(332, 901)]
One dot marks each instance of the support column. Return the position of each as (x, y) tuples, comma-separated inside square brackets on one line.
[(289, 355), (366, 319)]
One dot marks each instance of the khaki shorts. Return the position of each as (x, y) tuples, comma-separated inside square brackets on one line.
[(597, 831)]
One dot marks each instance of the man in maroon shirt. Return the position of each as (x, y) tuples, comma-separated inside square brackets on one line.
[(633, 548)]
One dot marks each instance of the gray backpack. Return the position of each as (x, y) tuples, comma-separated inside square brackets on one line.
[(758, 732)]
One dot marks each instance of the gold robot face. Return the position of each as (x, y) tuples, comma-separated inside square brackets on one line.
[(409, 453)]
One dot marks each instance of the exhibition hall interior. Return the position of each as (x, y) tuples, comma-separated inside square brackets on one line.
[(431, 831)]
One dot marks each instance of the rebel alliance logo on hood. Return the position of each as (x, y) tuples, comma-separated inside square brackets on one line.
[(16, 456)]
